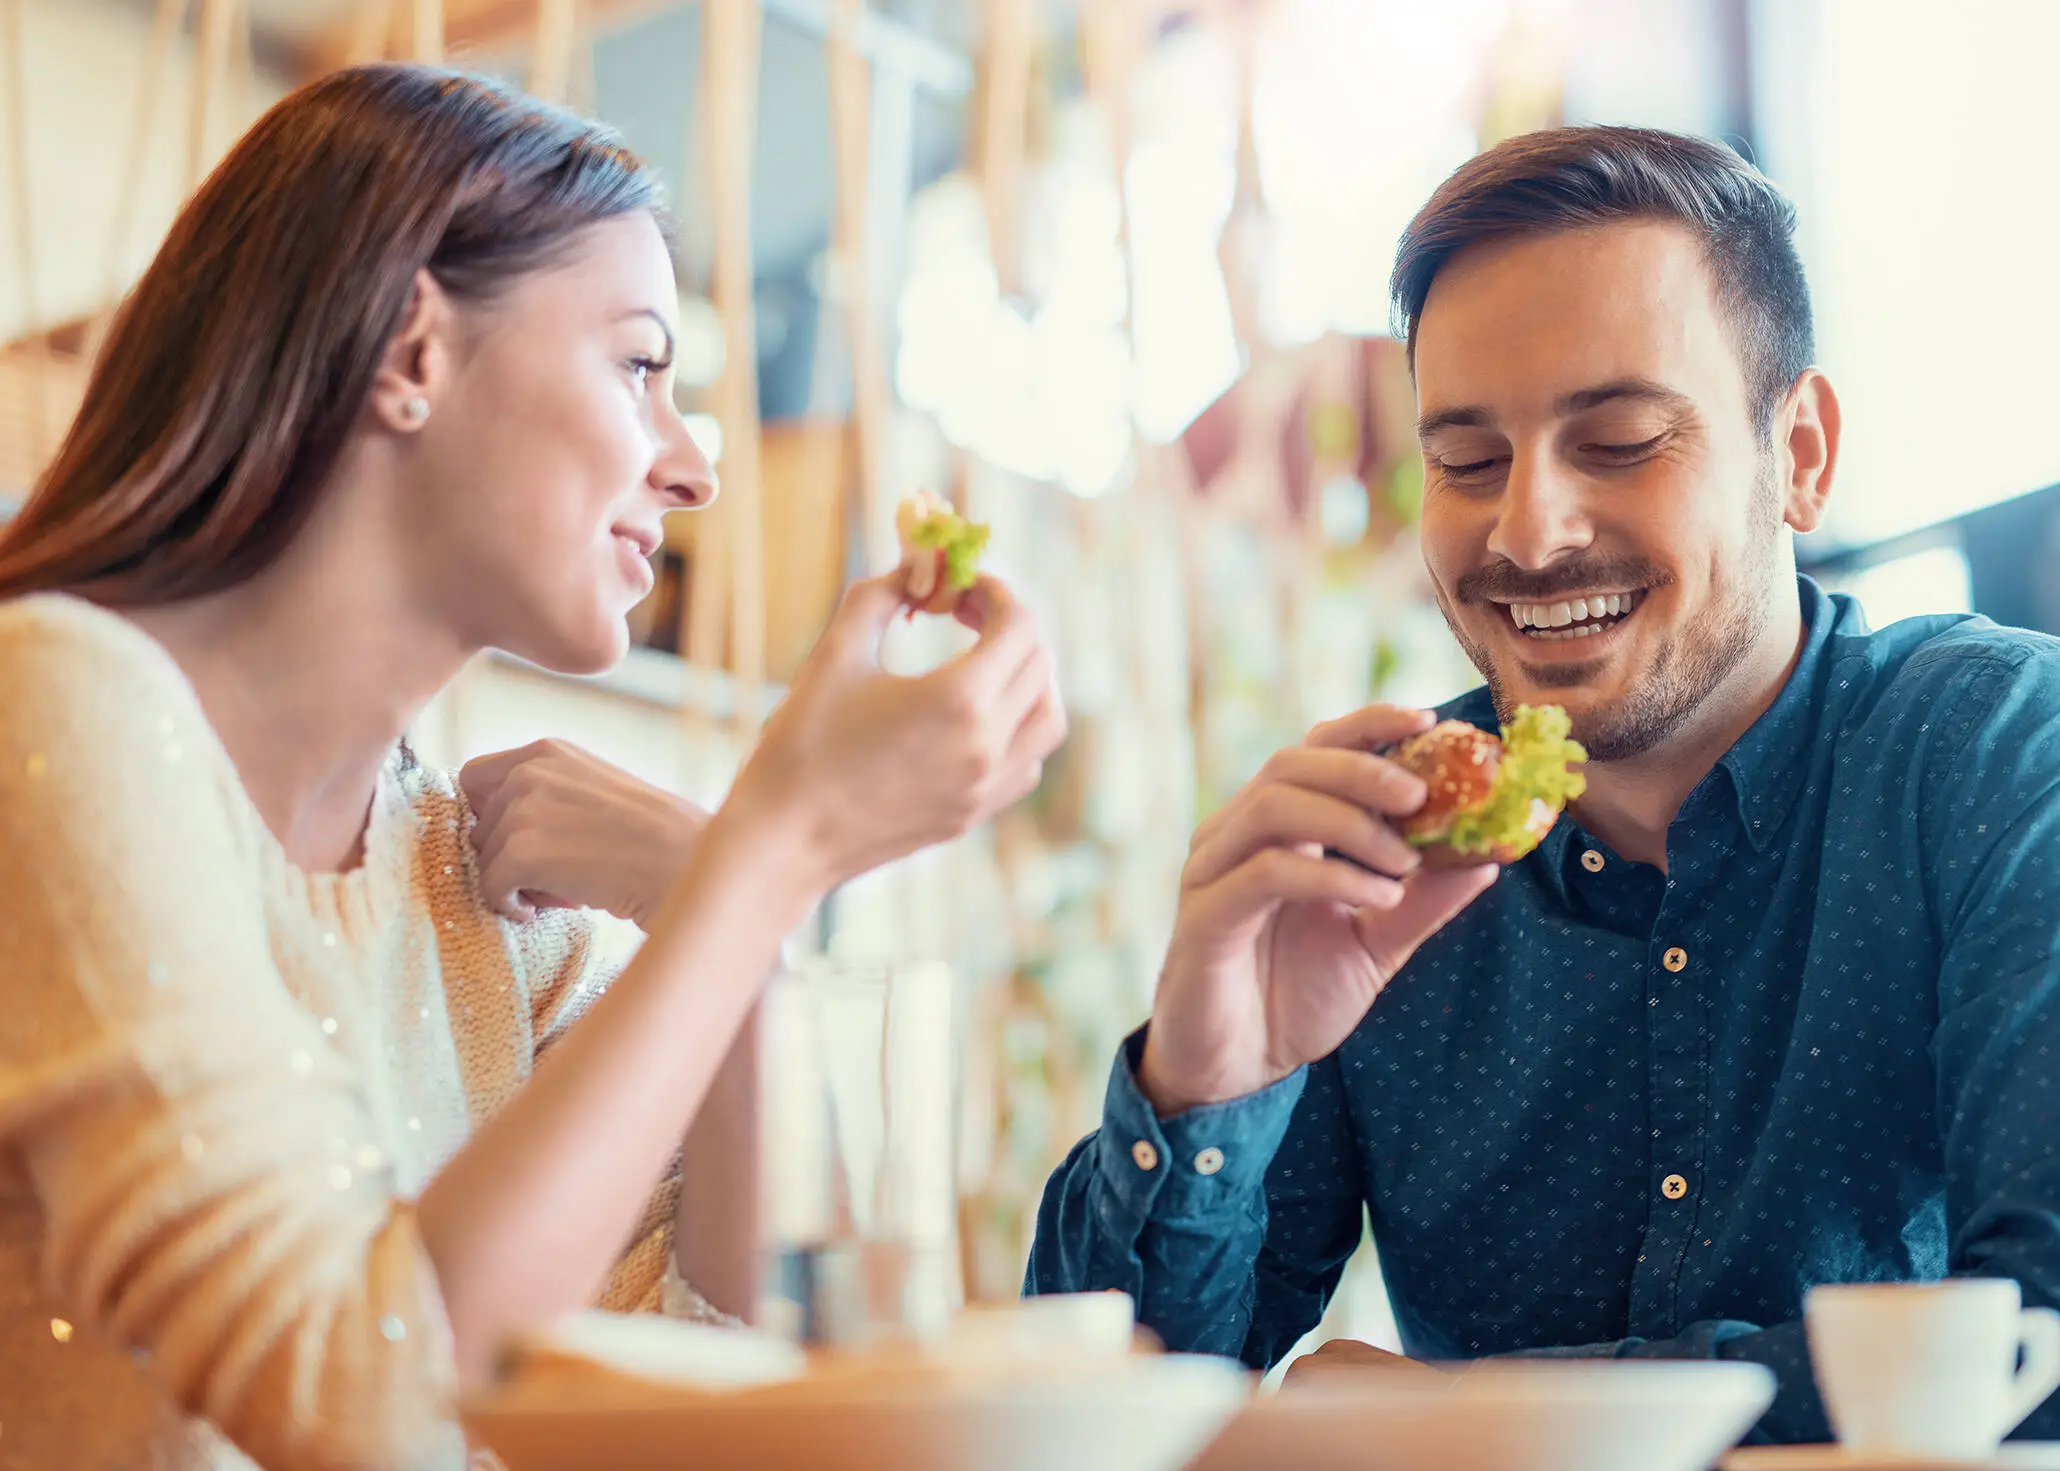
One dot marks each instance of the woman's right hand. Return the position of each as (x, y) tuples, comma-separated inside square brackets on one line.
[(870, 766)]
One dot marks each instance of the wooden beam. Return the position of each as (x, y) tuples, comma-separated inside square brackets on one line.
[(728, 584), (851, 139), (165, 26), (890, 45), (209, 98), (247, 100), (500, 25), (14, 71), (550, 67), (368, 36), (169, 20), (426, 38), (1007, 55), (1112, 40), (1247, 204), (467, 25), (15, 74)]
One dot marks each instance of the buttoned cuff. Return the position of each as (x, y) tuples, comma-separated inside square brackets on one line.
[(1191, 1165)]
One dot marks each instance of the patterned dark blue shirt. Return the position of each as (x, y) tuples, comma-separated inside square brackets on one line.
[(1609, 1111)]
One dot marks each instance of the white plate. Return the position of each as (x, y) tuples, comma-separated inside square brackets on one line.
[(2029, 1455), (1506, 1415), (1149, 1413)]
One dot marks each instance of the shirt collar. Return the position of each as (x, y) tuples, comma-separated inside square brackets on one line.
[(1769, 763)]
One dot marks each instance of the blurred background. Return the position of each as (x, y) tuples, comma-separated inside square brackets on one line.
[(1112, 274)]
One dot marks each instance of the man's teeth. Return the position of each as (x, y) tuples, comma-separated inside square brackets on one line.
[(1574, 618)]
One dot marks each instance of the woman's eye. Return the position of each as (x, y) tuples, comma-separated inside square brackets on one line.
[(644, 369)]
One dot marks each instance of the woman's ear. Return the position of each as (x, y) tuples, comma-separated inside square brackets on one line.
[(417, 366)]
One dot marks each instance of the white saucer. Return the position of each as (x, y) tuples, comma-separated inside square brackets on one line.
[(2028, 1455), (1501, 1415)]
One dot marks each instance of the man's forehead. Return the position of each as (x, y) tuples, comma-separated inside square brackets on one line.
[(1535, 320)]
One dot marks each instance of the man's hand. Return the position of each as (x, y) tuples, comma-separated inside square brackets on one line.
[(1278, 950), (1343, 1360), (558, 827)]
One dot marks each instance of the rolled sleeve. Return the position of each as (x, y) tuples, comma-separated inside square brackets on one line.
[(1174, 1211), (1191, 1166)]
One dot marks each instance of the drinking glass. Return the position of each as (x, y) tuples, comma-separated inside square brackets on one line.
[(859, 1085)]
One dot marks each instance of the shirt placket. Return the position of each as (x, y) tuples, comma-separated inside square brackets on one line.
[(1677, 1089)]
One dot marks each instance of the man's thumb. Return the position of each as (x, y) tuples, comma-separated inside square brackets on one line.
[(1430, 899)]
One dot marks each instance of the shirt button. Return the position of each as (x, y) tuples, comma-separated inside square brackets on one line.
[(1675, 959), (1592, 861), (1209, 1161), (1673, 1187), (1147, 1157)]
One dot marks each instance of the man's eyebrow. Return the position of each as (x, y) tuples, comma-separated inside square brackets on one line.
[(1637, 389), (1474, 416), (652, 313)]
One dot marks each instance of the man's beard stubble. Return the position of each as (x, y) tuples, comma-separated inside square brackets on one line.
[(1688, 666)]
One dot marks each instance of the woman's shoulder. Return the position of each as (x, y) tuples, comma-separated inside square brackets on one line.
[(51, 641), (71, 669), (109, 769)]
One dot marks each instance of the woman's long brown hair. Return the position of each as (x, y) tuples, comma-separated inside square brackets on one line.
[(232, 374)]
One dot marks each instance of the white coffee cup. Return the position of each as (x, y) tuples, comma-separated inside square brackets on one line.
[(1930, 1368)]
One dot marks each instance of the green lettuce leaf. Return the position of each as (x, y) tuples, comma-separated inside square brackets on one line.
[(1536, 752), (960, 540)]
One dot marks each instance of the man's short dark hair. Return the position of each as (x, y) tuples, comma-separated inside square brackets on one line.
[(1576, 178)]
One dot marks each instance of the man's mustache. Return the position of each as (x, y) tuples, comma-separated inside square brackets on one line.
[(1505, 582)]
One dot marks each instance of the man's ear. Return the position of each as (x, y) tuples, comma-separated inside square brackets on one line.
[(1806, 438), (416, 369)]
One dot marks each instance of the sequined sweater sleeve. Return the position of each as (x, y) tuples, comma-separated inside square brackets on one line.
[(159, 1085), (568, 958)]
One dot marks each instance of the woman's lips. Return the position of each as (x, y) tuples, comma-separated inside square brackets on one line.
[(636, 562)]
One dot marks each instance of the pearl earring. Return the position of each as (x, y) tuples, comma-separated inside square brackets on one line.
[(415, 409)]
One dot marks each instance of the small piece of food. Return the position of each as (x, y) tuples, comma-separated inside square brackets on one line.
[(1491, 801), (940, 553)]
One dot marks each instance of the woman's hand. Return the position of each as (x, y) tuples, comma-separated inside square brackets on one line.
[(856, 767), (866, 767), (558, 827)]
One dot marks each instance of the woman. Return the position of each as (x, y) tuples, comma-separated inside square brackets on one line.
[(276, 1175)]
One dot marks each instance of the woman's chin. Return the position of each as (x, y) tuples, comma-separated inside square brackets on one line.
[(580, 652)]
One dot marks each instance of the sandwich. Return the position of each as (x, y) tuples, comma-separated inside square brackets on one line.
[(940, 553), (1491, 801)]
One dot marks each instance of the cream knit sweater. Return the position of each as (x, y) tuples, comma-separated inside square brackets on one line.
[(224, 1082)]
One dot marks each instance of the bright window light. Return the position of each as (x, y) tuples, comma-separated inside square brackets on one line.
[(1930, 230), (706, 430)]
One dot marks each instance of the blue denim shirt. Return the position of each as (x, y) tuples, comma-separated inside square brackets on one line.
[(1613, 1112)]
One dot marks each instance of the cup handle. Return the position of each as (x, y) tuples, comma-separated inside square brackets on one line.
[(2039, 1336)]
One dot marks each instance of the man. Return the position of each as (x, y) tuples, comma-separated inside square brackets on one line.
[(1776, 1003)]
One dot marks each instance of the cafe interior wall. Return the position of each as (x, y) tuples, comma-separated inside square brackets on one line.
[(1174, 400)]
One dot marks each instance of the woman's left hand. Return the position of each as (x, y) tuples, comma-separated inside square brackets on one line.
[(558, 827)]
